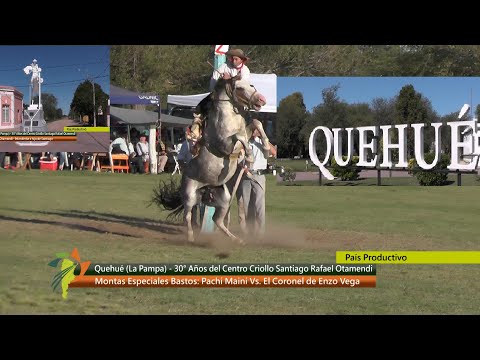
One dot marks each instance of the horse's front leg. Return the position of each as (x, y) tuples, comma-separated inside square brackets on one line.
[(242, 137), (257, 124), (197, 126)]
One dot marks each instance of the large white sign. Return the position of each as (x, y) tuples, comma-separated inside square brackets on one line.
[(334, 139)]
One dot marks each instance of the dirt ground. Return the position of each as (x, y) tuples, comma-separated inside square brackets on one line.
[(277, 236), (60, 124), (51, 126)]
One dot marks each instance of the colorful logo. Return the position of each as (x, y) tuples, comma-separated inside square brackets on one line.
[(69, 262)]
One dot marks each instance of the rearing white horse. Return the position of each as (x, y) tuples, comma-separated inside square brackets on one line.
[(224, 135)]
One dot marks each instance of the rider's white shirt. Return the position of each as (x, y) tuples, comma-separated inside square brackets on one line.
[(230, 70)]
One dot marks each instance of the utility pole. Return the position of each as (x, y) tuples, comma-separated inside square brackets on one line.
[(94, 108)]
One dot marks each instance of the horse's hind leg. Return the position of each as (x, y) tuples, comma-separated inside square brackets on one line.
[(218, 219), (187, 216), (221, 211), (190, 200)]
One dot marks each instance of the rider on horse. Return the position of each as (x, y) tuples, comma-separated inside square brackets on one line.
[(234, 67)]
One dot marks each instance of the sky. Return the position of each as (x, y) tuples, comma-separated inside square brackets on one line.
[(63, 69), (447, 94)]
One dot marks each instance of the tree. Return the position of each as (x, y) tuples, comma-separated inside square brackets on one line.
[(162, 69), (440, 60), (291, 117), (82, 102), (357, 115), (446, 132), (410, 108), (332, 113), (477, 111), (49, 103), (383, 111)]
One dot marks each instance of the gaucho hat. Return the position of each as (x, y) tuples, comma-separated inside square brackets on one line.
[(239, 53)]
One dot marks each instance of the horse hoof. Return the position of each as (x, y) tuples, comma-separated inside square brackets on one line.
[(239, 241)]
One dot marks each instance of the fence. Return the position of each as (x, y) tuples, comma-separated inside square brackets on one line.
[(379, 172)]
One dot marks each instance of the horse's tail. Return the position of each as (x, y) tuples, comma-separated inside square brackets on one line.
[(175, 214), (167, 196)]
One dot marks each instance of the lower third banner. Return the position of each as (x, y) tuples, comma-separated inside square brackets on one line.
[(225, 281)]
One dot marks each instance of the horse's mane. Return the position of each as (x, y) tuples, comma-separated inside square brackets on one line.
[(207, 104)]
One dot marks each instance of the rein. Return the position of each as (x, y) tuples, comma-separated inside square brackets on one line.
[(236, 186)]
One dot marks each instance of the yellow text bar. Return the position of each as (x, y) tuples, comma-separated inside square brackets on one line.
[(86, 129), (408, 257)]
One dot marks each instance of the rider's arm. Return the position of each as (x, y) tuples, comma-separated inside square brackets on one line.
[(245, 73), (217, 74)]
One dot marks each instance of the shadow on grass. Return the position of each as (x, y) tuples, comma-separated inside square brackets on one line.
[(175, 230), (342, 183), (142, 223), (59, 223)]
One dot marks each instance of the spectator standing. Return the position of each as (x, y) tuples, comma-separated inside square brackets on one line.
[(251, 191)]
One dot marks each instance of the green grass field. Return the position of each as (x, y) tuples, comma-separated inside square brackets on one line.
[(106, 217)]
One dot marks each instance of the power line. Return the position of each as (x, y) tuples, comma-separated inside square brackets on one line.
[(104, 70), (59, 66)]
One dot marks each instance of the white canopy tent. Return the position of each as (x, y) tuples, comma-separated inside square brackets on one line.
[(266, 84)]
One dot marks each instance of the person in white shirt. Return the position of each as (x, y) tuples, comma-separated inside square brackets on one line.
[(235, 66), (142, 148), (251, 191), (143, 152), (119, 146)]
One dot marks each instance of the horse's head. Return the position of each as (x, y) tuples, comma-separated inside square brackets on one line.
[(243, 94)]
